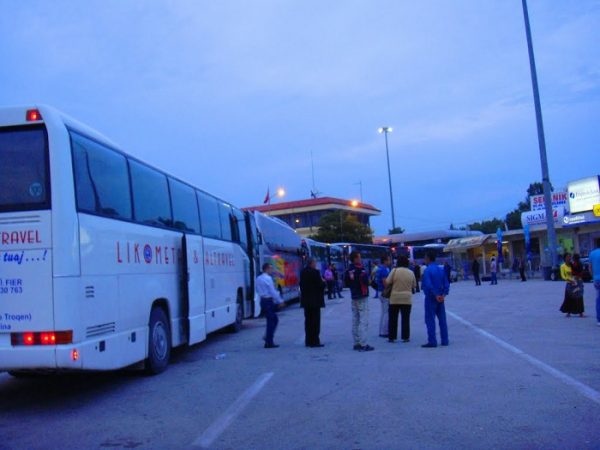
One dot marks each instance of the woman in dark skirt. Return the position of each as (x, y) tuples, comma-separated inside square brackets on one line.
[(573, 302)]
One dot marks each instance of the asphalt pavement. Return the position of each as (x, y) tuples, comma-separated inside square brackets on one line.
[(517, 374)]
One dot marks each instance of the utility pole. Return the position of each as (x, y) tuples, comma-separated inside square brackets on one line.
[(552, 244)]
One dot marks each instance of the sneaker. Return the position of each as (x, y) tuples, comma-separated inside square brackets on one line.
[(405, 340), (445, 345), (429, 345), (358, 347), (598, 324), (271, 346), (367, 348), (391, 341)]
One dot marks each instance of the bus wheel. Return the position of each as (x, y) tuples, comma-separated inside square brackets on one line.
[(239, 316), (159, 342)]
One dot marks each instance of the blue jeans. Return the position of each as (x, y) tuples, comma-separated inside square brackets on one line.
[(268, 307), (597, 286), (494, 278), (434, 308)]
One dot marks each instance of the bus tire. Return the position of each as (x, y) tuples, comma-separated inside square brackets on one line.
[(159, 342), (236, 326)]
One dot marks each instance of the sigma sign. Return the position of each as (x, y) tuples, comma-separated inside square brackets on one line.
[(539, 217)]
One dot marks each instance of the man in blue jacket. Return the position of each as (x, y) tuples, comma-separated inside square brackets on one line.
[(436, 287)]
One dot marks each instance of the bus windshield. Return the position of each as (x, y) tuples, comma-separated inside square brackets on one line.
[(24, 183)]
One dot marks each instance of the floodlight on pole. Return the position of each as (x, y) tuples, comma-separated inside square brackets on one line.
[(385, 131)]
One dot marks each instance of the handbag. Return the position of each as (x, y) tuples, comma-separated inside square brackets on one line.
[(387, 291)]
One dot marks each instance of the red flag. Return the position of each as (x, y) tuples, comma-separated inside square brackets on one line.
[(268, 197)]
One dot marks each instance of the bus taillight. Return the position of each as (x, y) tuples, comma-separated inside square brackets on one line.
[(33, 115), (42, 338), (28, 338)]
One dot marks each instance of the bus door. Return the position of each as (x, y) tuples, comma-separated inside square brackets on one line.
[(254, 242), (193, 288)]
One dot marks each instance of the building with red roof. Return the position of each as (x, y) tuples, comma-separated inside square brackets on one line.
[(304, 215)]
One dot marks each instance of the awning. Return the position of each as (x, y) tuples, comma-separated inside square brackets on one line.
[(460, 244)]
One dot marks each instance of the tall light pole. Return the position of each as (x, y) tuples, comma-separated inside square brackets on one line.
[(385, 131), (542, 144)]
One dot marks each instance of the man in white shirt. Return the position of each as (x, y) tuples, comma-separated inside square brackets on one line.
[(269, 302), (493, 271)]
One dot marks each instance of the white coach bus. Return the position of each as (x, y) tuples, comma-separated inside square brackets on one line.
[(105, 261)]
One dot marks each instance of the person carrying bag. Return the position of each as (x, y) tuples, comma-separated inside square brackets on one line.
[(400, 283)]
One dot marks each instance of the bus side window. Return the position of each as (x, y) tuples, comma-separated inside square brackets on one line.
[(240, 227), (209, 215), (101, 179), (226, 222), (185, 207), (152, 205)]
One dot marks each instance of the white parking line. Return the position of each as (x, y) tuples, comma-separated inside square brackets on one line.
[(206, 439), (582, 388)]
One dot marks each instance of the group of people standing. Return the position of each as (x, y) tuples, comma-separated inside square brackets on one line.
[(395, 290), (571, 271), (397, 287)]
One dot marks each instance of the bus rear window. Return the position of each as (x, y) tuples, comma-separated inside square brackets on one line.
[(24, 181)]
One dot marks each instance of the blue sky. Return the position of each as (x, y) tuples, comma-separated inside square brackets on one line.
[(233, 96)]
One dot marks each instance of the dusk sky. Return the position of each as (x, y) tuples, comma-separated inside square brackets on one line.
[(232, 96)]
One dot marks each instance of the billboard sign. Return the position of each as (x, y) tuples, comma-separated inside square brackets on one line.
[(539, 217), (574, 220), (559, 200), (583, 194)]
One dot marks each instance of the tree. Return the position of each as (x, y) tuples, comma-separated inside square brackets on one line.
[(397, 230), (343, 227), (487, 226), (513, 218)]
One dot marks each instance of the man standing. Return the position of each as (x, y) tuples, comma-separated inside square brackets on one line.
[(330, 282), (417, 271), (270, 300), (337, 282), (436, 288), (493, 271), (372, 279), (382, 273), (311, 299), (475, 270), (357, 279), (522, 268), (595, 263)]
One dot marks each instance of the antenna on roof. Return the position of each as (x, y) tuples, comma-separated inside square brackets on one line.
[(313, 192)]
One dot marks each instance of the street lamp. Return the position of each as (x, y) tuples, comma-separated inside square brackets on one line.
[(385, 131)]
